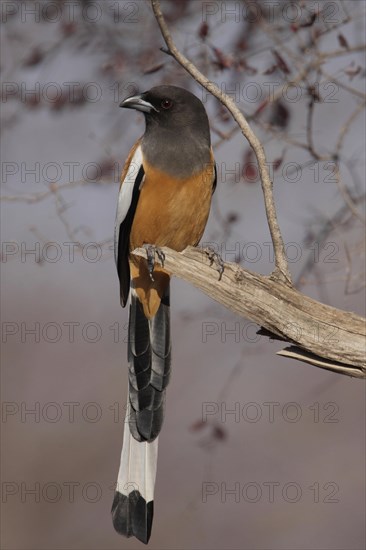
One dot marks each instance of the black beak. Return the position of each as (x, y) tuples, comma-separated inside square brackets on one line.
[(139, 103)]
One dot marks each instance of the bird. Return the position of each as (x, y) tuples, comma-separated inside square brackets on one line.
[(164, 201)]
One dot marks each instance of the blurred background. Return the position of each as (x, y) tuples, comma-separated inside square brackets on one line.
[(257, 451)]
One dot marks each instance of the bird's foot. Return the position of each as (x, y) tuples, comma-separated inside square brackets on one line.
[(151, 250), (216, 259)]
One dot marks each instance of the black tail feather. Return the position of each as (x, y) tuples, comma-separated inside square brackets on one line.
[(132, 516), (149, 357), (149, 370)]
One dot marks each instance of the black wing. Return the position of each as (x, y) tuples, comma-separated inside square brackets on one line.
[(214, 183), (123, 245)]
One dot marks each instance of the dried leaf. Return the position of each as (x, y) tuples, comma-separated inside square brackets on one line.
[(154, 68), (219, 433), (197, 426), (107, 167), (281, 63), (115, 65), (34, 58), (58, 103), (342, 41), (203, 31), (32, 101), (352, 70), (232, 217), (310, 22), (69, 28), (270, 70), (242, 65), (280, 115), (222, 61), (277, 163), (250, 170), (242, 44), (223, 113), (261, 107)]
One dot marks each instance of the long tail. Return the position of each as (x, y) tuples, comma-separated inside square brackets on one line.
[(149, 357)]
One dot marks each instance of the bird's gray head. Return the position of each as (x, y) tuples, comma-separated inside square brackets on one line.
[(170, 108), (177, 137)]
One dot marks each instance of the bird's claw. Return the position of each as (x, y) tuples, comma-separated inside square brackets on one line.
[(216, 259), (151, 250)]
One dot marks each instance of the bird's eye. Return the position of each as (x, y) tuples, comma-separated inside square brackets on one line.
[(166, 104)]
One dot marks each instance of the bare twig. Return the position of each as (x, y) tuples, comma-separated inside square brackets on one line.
[(52, 188), (338, 53), (330, 78), (346, 126), (281, 270)]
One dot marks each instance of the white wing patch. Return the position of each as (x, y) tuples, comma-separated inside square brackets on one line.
[(125, 194)]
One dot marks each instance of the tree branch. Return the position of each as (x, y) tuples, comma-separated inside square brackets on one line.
[(321, 335), (281, 271)]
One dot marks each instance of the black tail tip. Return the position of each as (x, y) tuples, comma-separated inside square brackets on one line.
[(132, 515)]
